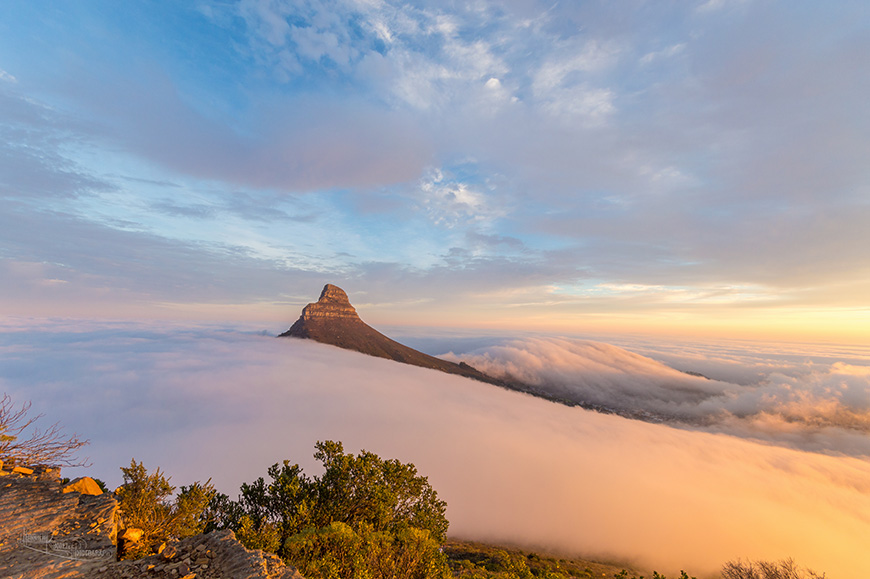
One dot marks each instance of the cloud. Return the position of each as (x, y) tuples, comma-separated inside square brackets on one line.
[(224, 403), (631, 146), (819, 406), (450, 202)]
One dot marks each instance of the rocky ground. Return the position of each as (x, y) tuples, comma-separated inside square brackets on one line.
[(54, 531)]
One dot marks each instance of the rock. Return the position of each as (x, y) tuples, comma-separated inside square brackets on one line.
[(22, 470), (47, 529), (45, 534), (333, 304), (132, 534), (84, 485)]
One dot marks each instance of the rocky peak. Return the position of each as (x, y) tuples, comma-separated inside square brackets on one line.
[(332, 320), (333, 293), (333, 304)]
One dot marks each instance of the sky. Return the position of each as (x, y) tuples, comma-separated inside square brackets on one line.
[(686, 168), (762, 478)]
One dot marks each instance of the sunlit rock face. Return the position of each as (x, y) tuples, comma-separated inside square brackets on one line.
[(333, 304), (333, 320)]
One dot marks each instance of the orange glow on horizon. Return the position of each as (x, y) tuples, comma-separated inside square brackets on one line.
[(837, 325)]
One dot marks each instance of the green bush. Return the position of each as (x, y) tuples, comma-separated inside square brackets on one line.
[(338, 551), (363, 517), (145, 504)]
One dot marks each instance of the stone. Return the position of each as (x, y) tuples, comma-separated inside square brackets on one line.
[(132, 534), (35, 508), (22, 470), (84, 485)]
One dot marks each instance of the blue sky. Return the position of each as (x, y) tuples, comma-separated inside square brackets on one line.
[(635, 165)]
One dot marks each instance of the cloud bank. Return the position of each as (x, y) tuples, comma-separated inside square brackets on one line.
[(224, 403), (820, 406)]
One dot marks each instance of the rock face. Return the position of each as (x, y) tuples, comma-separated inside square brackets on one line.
[(333, 306), (333, 320), (48, 533)]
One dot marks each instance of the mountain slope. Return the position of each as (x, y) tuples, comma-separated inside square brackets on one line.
[(333, 320)]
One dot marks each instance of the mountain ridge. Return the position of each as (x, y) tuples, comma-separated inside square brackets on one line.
[(333, 320)]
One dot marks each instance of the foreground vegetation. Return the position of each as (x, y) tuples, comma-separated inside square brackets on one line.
[(474, 560), (363, 518)]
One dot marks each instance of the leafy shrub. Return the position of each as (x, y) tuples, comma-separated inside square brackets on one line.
[(145, 503), (338, 551), (363, 517)]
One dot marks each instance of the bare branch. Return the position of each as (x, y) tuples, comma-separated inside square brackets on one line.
[(50, 447)]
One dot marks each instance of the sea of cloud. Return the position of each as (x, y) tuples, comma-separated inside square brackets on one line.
[(812, 397), (225, 403)]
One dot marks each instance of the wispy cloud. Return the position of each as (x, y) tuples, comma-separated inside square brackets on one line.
[(691, 147)]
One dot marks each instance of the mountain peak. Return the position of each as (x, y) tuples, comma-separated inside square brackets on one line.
[(332, 320), (333, 304), (333, 293)]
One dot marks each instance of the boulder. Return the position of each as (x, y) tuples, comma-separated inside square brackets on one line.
[(84, 485)]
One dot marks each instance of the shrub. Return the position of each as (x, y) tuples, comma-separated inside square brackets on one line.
[(785, 569), (145, 503), (363, 517), (338, 551)]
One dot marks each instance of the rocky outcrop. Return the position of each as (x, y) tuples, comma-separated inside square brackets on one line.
[(52, 531), (332, 305), (333, 320), (46, 533), (214, 555)]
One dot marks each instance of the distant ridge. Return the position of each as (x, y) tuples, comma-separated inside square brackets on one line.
[(333, 320)]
